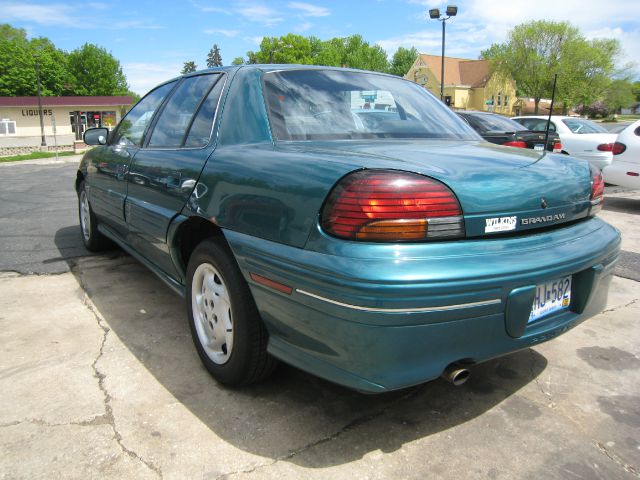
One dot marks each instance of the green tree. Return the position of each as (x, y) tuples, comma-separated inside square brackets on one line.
[(532, 55), (636, 90), (402, 60), (214, 59), (238, 61), (189, 67), (18, 57), (290, 48), (585, 71), (96, 72), (351, 51), (537, 50), (619, 94)]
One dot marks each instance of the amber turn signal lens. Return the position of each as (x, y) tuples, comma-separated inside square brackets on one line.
[(396, 230)]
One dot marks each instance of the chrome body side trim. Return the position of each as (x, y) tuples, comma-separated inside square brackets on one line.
[(440, 308)]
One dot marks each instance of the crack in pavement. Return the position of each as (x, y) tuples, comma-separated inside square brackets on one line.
[(97, 420), (352, 425), (613, 309), (108, 417), (617, 460), (17, 273)]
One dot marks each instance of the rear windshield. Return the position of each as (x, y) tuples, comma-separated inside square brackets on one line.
[(536, 124), (579, 125), (334, 105), (487, 122)]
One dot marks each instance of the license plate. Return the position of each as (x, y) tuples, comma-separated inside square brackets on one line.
[(551, 297), (538, 147)]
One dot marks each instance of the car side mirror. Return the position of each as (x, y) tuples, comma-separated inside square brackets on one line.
[(96, 136)]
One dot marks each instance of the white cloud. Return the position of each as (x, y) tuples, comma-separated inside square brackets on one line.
[(482, 22), (226, 33), (466, 41), (129, 24), (303, 27), (254, 40), (142, 77), (51, 14), (63, 15), (309, 10), (208, 8), (260, 14)]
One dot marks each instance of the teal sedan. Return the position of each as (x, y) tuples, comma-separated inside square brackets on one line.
[(344, 222)]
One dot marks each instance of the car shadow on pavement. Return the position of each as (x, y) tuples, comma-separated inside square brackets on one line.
[(622, 204), (293, 416)]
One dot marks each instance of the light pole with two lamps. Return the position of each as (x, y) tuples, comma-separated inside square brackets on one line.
[(434, 13)]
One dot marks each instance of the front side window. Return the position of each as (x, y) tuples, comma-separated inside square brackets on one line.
[(177, 115), (134, 124), (335, 105), (581, 126)]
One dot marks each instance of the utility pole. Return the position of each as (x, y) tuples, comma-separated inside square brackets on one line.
[(44, 142)]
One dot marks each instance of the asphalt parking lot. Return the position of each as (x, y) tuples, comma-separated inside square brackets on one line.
[(99, 379)]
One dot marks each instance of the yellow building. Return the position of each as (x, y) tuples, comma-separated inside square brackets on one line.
[(468, 84)]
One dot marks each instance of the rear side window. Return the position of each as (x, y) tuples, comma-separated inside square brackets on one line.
[(134, 124), (580, 126), (200, 131), (176, 117)]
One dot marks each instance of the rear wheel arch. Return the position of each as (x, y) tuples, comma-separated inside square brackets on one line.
[(191, 233)]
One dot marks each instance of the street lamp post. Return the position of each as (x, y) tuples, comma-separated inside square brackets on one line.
[(434, 13), (44, 142)]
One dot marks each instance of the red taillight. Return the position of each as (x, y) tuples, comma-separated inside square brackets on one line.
[(557, 147), (391, 206), (618, 148), (597, 191), (515, 143), (605, 147)]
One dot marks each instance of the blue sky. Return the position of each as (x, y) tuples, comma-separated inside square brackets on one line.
[(152, 39)]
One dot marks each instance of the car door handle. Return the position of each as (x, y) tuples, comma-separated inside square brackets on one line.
[(122, 152), (188, 185)]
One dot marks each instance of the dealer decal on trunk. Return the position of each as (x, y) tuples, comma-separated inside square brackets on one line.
[(500, 224)]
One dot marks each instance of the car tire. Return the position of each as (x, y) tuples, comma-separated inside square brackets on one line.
[(93, 240), (226, 327)]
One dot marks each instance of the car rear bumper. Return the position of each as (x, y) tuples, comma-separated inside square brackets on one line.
[(381, 317)]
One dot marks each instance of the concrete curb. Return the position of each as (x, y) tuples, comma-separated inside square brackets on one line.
[(45, 161)]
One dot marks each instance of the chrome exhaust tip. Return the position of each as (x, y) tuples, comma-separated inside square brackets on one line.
[(456, 375)]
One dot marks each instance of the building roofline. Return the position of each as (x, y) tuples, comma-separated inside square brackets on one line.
[(72, 101)]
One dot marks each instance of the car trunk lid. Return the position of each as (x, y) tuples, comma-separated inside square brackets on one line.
[(500, 189)]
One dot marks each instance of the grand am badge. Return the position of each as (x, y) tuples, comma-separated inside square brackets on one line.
[(500, 224), (544, 219)]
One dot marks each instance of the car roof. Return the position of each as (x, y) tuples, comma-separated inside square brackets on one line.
[(271, 67), (553, 117)]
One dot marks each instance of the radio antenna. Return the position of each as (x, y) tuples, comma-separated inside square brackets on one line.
[(553, 97)]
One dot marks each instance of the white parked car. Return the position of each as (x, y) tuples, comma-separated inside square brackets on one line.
[(625, 168), (580, 138)]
